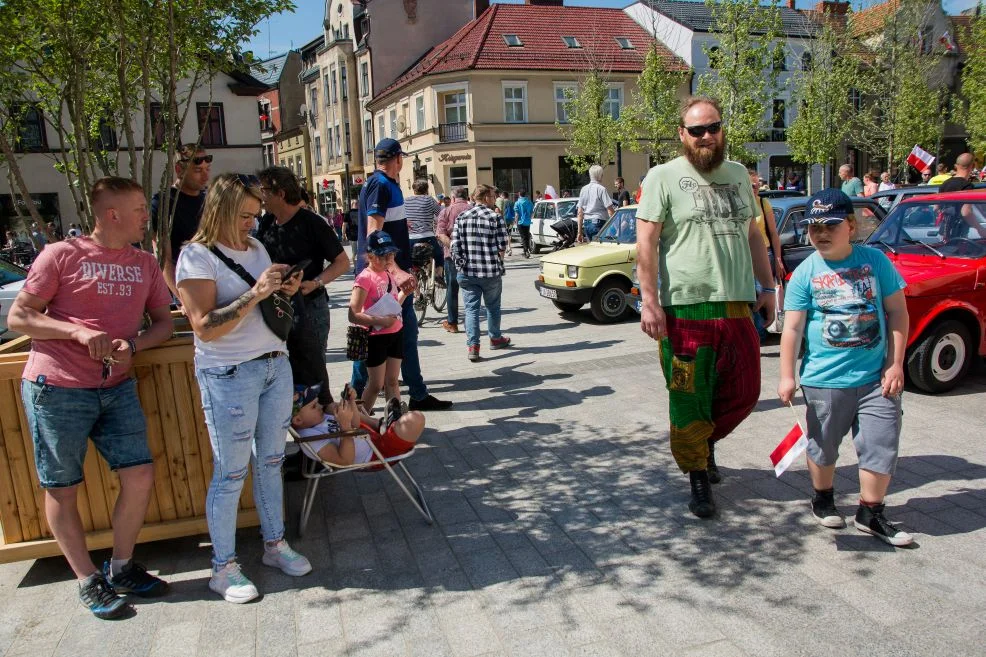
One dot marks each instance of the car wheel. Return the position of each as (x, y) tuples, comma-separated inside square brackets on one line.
[(609, 300), (535, 248), (567, 306), (942, 357)]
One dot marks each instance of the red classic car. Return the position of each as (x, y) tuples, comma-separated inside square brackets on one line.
[(938, 244)]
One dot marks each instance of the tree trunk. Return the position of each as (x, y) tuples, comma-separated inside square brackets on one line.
[(14, 171)]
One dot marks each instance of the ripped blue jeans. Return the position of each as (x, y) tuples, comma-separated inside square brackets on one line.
[(247, 411)]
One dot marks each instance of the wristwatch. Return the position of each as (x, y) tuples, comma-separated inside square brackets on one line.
[(133, 346)]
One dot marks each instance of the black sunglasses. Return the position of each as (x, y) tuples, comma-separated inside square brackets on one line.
[(246, 180), (700, 130), (199, 159)]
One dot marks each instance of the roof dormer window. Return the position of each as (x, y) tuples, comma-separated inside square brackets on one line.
[(624, 43), (571, 42), (513, 40)]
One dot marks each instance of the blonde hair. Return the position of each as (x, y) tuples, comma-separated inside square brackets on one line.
[(222, 207)]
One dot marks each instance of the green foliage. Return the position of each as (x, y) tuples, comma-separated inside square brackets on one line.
[(974, 84), (591, 132), (650, 121), (822, 96), (744, 78), (904, 89)]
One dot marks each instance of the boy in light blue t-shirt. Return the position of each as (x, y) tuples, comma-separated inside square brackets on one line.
[(848, 302)]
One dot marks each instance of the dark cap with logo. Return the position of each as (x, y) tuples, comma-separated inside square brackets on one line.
[(303, 396), (380, 243), (829, 206), (387, 149)]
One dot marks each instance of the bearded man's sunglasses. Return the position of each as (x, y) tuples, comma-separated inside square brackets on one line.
[(199, 159), (698, 131)]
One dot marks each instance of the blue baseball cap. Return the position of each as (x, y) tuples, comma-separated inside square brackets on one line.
[(828, 207), (380, 243), (303, 396), (388, 148)]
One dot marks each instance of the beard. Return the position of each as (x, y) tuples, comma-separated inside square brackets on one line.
[(705, 158)]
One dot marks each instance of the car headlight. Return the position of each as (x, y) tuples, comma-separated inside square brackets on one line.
[(572, 271)]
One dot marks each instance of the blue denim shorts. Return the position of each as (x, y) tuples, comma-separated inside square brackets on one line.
[(63, 419)]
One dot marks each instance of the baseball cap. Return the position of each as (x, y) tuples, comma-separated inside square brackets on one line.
[(304, 395), (380, 244), (829, 206), (388, 148)]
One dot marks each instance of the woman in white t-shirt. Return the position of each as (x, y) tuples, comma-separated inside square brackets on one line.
[(243, 375)]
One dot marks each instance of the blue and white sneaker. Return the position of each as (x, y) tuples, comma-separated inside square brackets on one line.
[(232, 584), (134, 578), (99, 597), (280, 555)]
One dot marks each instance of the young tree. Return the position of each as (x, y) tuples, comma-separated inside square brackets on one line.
[(974, 83), (650, 121), (744, 72), (822, 93), (592, 131), (903, 90)]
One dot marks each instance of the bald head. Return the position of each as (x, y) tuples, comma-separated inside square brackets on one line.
[(963, 165)]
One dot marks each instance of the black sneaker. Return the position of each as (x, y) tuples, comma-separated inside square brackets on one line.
[(429, 403), (824, 509), (96, 594), (391, 413), (701, 504), (870, 520), (711, 466), (135, 579)]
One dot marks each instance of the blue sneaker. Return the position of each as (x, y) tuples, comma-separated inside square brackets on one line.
[(135, 579), (97, 595)]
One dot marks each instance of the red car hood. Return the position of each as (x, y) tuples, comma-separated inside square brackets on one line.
[(931, 276)]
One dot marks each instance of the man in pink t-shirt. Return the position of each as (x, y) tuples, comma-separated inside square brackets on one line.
[(83, 304)]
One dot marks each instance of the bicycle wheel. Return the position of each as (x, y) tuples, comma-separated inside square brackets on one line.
[(421, 294), (439, 296)]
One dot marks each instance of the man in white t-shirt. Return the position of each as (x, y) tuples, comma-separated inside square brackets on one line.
[(595, 205)]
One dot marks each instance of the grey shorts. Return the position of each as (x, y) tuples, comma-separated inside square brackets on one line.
[(875, 422)]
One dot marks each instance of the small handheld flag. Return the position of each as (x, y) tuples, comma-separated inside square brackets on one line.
[(920, 159), (793, 445)]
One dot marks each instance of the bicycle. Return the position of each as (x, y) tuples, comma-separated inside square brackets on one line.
[(428, 291)]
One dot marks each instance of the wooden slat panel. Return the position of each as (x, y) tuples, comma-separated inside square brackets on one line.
[(110, 488), (9, 515), (98, 504), (20, 463), (39, 494), (189, 437), (12, 370), (201, 430), (176, 351), (174, 452), (162, 506), (17, 345)]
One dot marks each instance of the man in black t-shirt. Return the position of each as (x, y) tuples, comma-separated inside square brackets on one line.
[(621, 197), (960, 181), (186, 201), (291, 234)]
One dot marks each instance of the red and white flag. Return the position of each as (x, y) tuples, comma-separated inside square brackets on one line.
[(920, 159), (946, 40), (789, 449)]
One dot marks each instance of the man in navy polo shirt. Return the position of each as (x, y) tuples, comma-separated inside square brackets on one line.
[(381, 207)]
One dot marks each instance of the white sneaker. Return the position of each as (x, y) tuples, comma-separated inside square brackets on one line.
[(232, 584), (280, 555)]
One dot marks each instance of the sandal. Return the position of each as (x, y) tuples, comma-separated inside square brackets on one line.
[(451, 328)]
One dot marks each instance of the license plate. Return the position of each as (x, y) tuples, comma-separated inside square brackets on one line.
[(548, 293), (637, 305)]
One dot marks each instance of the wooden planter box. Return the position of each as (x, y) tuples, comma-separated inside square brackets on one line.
[(178, 440)]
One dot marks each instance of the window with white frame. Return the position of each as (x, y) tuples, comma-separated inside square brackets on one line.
[(299, 167), (338, 141), (625, 43), (614, 100), (381, 129), (562, 92), (571, 42), (458, 177), (393, 123), (419, 113), (318, 150), (406, 116), (325, 84), (368, 135), (515, 102), (348, 137), (344, 82), (364, 79), (314, 108), (335, 85), (455, 107)]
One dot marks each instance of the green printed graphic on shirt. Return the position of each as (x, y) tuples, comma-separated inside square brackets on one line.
[(705, 248)]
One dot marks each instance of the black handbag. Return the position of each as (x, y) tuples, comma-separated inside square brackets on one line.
[(276, 309), (357, 342)]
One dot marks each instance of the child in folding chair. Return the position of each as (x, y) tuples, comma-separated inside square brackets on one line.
[(308, 418)]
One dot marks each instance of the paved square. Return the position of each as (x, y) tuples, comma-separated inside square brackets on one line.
[(562, 529)]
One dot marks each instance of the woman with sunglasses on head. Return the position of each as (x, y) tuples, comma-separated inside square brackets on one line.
[(243, 374)]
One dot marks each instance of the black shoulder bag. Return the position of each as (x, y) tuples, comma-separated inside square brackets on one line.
[(276, 309)]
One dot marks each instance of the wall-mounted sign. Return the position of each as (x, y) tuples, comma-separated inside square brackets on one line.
[(358, 179), (452, 158)]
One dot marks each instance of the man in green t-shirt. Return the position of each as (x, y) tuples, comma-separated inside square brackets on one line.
[(695, 229), (851, 185)]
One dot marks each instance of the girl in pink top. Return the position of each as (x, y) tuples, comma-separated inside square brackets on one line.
[(386, 342)]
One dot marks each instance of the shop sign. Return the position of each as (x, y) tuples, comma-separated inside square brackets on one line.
[(452, 158)]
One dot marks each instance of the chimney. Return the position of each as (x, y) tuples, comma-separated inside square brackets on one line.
[(790, 4), (833, 7), (479, 6), (545, 3)]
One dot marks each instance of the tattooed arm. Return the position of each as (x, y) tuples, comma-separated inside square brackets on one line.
[(209, 323)]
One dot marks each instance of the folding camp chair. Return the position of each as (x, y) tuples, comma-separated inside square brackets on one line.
[(314, 469)]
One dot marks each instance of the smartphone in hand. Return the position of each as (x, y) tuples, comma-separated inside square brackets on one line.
[(297, 268)]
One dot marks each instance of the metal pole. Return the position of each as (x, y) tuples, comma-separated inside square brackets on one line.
[(619, 159)]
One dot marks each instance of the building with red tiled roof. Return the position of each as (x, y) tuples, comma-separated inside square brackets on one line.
[(482, 106)]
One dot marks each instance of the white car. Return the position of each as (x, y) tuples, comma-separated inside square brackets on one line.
[(546, 213), (11, 281)]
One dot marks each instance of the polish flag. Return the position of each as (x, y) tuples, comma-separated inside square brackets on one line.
[(790, 448), (920, 159), (946, 40)]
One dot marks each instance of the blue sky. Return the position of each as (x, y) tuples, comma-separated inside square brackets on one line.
[(292, 30)]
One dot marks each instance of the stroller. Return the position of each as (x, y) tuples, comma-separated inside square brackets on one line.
[(568, 231)]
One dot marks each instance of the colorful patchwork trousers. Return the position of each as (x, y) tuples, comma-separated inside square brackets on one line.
[(711, 362)]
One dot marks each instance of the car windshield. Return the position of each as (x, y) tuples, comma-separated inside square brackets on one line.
[(951, 229), (567, 209), (10, 273), (621, 228)]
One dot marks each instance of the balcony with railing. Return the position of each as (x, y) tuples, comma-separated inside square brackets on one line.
[(452, 132)]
